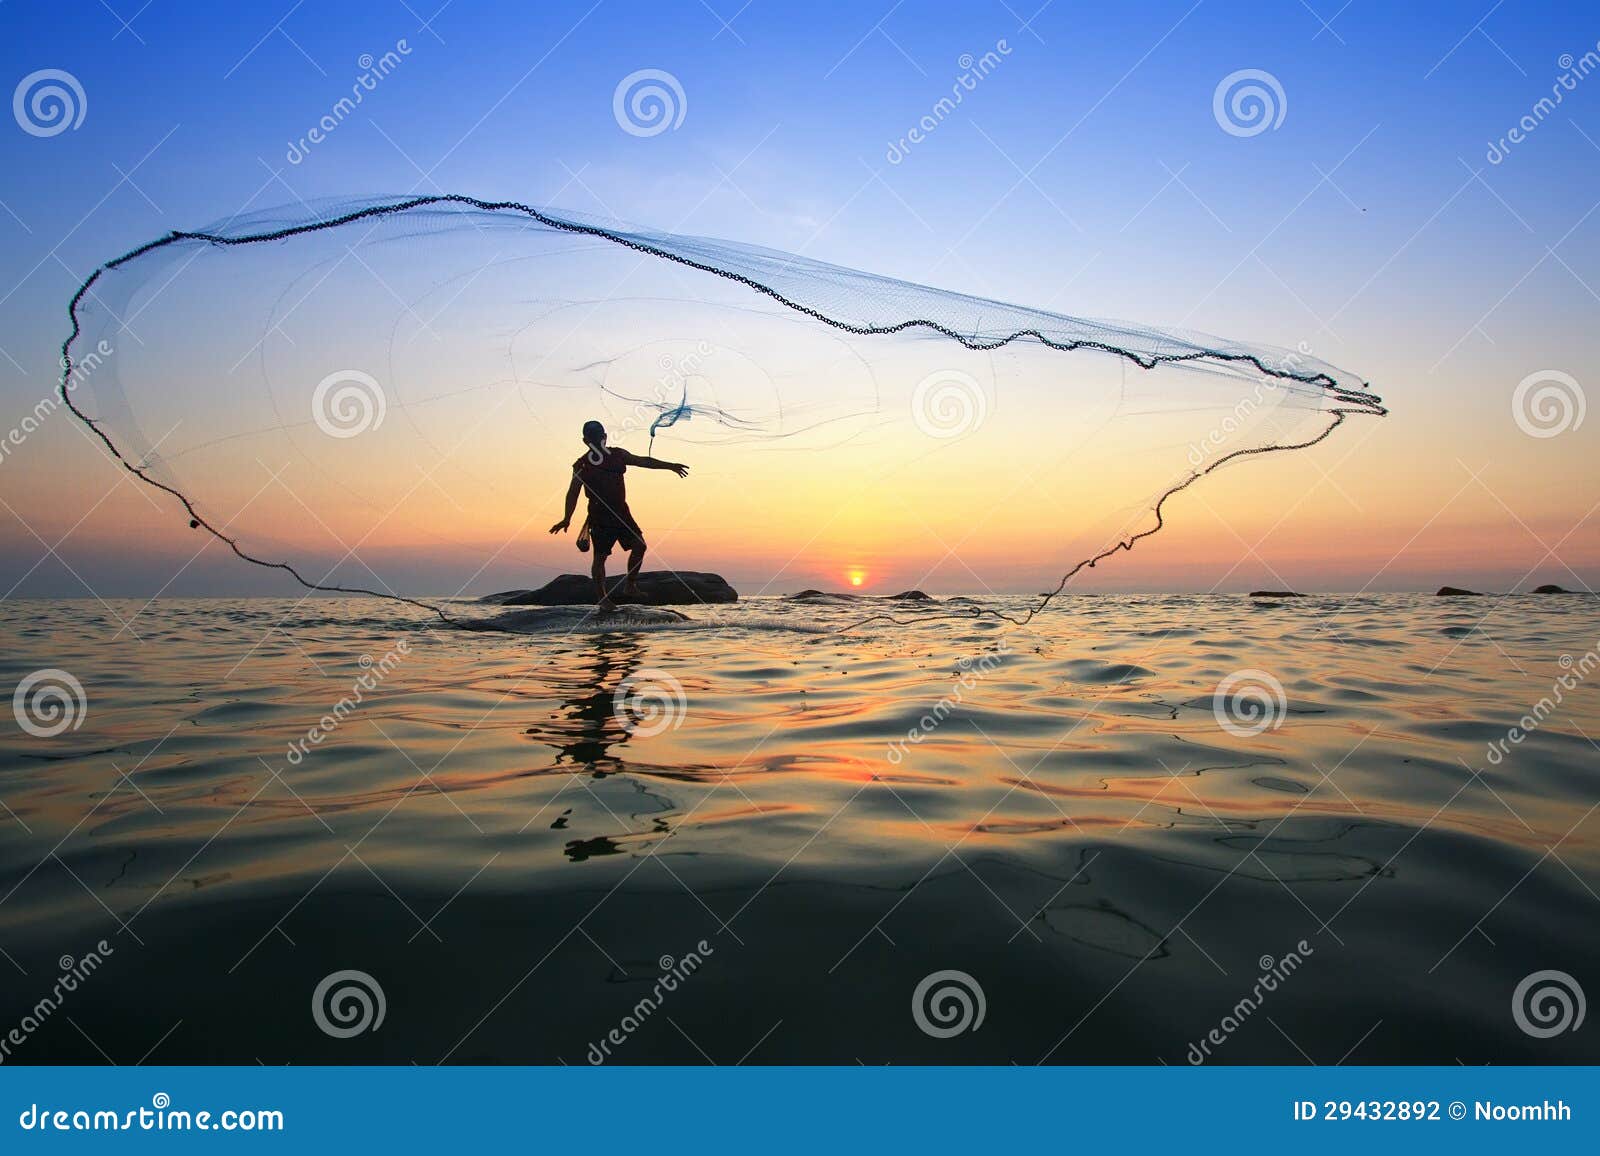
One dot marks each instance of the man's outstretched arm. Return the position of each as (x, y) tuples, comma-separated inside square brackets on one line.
[(657, 464), (572, 504)]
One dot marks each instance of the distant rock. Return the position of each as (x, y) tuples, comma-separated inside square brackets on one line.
[(656, 588), (1275, 594), (819, 596), (843, 596), (1457, 592), (1549, 588)]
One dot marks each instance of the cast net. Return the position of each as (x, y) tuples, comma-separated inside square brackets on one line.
[(385, 397)]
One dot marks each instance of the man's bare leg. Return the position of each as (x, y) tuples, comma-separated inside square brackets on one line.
[(635, 564), (602, 600)]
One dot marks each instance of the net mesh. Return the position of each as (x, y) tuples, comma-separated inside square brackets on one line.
[(383, 397)]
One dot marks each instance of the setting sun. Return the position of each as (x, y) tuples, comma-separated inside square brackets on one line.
[(857, 577)]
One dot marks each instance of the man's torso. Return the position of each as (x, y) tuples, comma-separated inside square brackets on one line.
[(603, 483)]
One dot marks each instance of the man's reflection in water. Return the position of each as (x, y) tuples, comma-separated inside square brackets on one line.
[(586, 727), (587, 732)]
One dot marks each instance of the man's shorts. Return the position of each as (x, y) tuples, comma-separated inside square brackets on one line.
[(605, 537)]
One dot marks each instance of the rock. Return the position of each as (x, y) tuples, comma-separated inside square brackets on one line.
[(1456, 592), (845, 596), (1549, 588), (1275, 594), (656, 588), (822, 596)]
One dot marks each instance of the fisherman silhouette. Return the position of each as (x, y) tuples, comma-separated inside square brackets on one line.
[(599, 474)]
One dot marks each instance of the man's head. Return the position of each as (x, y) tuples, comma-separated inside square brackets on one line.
[(594, 435)]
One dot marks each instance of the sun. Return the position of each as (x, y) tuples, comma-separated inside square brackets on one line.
[(856, 577)]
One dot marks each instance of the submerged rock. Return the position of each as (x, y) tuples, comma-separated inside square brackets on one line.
[(911, 596), (565, 619), (1550, 588), (1276, 594), (656, 588), (1457, 592)]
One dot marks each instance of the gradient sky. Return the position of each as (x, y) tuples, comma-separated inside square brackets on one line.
[(1087, 174)]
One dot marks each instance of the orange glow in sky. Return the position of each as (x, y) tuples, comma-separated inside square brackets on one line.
[(857, 577)]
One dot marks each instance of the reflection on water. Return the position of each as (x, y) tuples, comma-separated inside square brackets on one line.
[(511, 832), (587, 726)]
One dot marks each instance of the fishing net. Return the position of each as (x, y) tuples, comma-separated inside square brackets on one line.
[(385, 397)]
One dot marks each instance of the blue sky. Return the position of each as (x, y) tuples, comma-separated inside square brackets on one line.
[(1086, 173)]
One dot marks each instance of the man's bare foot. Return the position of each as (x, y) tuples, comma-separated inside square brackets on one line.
[(632, 592), (604, 606)]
